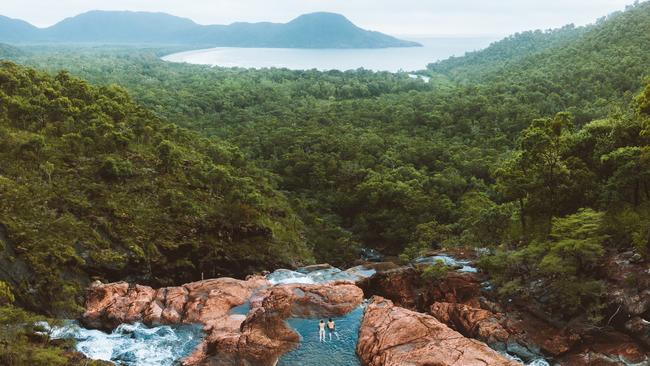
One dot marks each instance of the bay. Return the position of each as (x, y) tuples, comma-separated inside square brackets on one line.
[(385, 59)]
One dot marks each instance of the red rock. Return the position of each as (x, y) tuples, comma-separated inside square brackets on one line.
[(471, 322), (264, 336), (99, 298), (257, 339), (607, 349), (405, 287), (114, 304), (391, 336), (535, 333)]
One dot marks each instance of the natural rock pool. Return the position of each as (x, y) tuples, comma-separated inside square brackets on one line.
[(340, 350)]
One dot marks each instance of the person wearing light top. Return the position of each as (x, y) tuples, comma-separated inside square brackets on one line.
[(321, 331)]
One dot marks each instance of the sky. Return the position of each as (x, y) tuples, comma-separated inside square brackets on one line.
[(397, 17)]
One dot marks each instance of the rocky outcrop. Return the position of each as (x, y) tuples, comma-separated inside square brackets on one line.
[(472, 322), (517, 332), (406, 288), (391, 336), (607, 349), (256, 339), (530, 335), (628, 294), (109, 305)]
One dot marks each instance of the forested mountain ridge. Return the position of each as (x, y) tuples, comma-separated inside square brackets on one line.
[(532, 49), (583, 70), (92, 184), (410, 154), (316, 30)]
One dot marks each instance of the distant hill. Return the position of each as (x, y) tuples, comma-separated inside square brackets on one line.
[(14, 30), (584, 70), (316, 30), (594, 51)]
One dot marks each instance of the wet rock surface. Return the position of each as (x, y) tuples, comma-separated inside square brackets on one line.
[(391, 335)]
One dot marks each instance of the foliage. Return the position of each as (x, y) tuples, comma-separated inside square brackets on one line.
[(563, 263), (435, 272), (6, 294), (90, 183)]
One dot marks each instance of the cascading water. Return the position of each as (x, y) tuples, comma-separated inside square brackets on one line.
[(134, 344), (462, 265), (285, 276), (535, 362)]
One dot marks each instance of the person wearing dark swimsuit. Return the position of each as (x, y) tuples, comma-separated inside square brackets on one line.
[(331, 327)]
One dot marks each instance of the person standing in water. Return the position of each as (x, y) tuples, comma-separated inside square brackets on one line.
[(331, 327), (321, 331)]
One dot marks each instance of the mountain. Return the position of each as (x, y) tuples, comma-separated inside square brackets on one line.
[(14, 30), (613, 47), (123, 26), (123, 188), (316, 30)]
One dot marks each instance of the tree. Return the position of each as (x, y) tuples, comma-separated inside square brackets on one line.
[(6, 295), (48, 169)]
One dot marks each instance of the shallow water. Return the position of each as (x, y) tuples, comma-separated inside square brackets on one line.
[(242, 309), (339, 351), (134, 345)]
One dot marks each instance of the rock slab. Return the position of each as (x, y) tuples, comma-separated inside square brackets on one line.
[(392, 336)]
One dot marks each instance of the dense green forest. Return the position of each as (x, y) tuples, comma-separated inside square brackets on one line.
[(537, 147), (92, 182)]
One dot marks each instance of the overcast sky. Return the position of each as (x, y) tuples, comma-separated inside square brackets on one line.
[(399, 17)]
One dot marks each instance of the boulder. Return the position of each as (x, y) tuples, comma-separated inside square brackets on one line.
[(537, 335), (640, 329), (109, 305), (406, 288), (391, 336), (605, 349), (472, 322), (263, 336)]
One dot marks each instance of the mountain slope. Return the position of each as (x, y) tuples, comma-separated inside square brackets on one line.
[(317, 30), (91, 184), (125, 26), (558, 52), (14, 30), (585, 71)]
